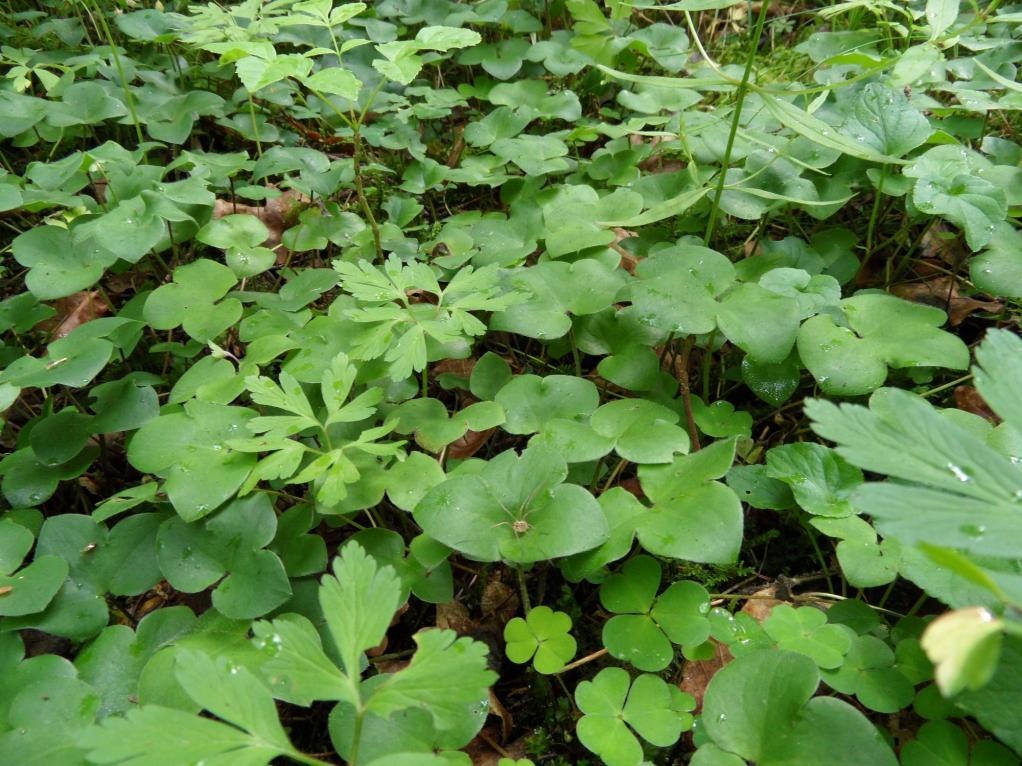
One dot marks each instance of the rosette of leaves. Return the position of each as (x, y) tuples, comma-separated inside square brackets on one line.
[(516, 508), (329, 462), (644, 624), (407, 333), (617, 711), (542, 636)]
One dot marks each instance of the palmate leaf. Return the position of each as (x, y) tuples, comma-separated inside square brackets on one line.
[(965, 494)]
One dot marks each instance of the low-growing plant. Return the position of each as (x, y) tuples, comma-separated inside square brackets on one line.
[(428, 383)]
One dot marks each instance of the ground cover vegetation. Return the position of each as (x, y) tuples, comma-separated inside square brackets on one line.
[(425, 383)]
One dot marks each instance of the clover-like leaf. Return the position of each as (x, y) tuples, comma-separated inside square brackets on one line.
[(805, 630), (193, 300), (542, 636), (645, 625), (515, 509), (868, 671), (618, 711)]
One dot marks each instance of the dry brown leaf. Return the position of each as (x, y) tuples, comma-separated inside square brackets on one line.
[(277, 214), (507, 722), (697, 674), (392, 666), (469, 443), (628, 260), (499, 602), (969, 399), (943, 293), (942, 243), (381, 647), (484, 750), (74, 311), (762, 603), (454, 616), (631, 484), (460, 367)]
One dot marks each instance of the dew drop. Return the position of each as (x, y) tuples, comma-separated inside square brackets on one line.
[(975, 531), (958, 473)]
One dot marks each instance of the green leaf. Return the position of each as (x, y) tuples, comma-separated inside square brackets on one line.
[(885, 121), (334, 82), (950, 182), (821, 481), (882, 331), (642, 432), (164, 736), (30, 589), (645, 625), (805, 630), (964, 492), (57, 266), (358, 601), (869, 672), (940, 14), (543, 637), (694, 517), (515, 509), (994, 705), (964, 647), (617, 710), (446, 674), (819, 132), (193, 300), (188, 449), (298, 669), (759, 707)]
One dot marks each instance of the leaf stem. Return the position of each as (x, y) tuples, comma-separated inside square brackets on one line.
[(128, 98), (523, 587), (584, 660), (739, 100)]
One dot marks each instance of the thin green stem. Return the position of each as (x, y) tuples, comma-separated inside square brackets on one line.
[(255, 125), (128, 98), (574, 353), (820, 557), (873, 218), (739, 100), (524, 590), (356, 736)]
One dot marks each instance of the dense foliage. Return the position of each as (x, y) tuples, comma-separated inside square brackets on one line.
[(525, 381)]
